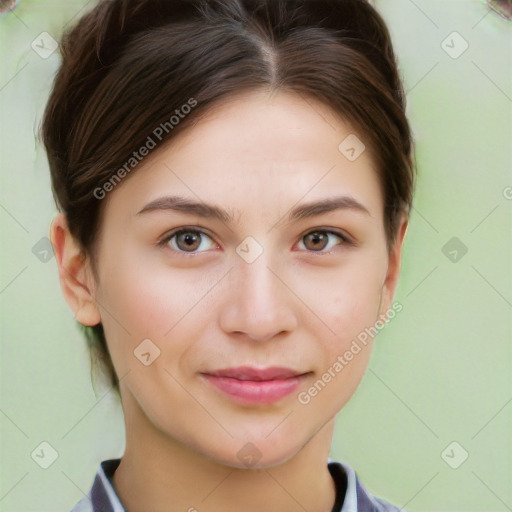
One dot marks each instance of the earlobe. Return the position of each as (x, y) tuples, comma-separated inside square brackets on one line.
[(75, 275), (393, 272)]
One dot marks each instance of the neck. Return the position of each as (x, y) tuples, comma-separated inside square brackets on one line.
[(157, 472)]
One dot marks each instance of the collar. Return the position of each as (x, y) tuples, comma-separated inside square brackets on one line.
[(102, 496)]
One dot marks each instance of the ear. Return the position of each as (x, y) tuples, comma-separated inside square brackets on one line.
[(75, 275), (393, 271)]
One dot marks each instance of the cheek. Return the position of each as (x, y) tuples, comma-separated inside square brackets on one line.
[(352, 310), (349, 311), (148, 299), (348, 301), (162, 305), (349, 306)]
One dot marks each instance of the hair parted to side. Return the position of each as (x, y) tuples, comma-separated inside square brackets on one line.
[(128, 65)]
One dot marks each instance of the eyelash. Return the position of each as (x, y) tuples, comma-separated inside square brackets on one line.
[(168, 237)]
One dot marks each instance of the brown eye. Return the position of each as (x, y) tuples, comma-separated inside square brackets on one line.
[(316, 241), (188, 241), (319, 240)]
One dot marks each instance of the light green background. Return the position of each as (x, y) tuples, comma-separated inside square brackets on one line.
[(441, 370)]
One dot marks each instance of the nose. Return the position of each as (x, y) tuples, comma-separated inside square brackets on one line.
[(258, 303)]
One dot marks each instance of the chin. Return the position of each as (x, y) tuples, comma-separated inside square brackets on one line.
[(252, 455)]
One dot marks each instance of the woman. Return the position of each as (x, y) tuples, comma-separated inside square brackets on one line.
[(234, 181)]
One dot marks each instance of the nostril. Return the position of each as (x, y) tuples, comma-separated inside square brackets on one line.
[(502, 7)]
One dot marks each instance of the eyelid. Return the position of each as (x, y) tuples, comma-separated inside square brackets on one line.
[(346, 240), (164, 240)]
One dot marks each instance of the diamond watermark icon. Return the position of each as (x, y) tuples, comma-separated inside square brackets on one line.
[(44, 455), (454, 249), (42, 250), (249, 249), (249, 455), (454, 455), (454, 45), (44, 45), (146, 352), (351, 147)]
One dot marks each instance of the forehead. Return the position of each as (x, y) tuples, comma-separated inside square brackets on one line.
[(289, 126), (259, 152)]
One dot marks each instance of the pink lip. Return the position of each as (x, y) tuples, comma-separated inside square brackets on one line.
[(253, 385)]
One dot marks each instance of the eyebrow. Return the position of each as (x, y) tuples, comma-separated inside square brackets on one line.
[(303, 211)]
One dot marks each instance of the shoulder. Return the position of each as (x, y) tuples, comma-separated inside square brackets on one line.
[(102, 496), (357, 497), (84, 505)]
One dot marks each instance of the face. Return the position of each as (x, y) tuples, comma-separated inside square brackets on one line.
[(287, 271)]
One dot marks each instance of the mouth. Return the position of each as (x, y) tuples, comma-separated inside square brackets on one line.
[(248, 385)]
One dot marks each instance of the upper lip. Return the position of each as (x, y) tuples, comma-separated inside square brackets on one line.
[(256, 374)]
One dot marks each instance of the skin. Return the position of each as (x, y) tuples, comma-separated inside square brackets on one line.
[(298, 305)]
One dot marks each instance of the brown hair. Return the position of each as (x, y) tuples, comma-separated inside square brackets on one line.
[(129, 66)]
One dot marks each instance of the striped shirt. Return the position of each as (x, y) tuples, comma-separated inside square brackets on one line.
[(351, 496)]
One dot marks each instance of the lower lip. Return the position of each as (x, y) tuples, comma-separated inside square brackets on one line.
[(255, 392)]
